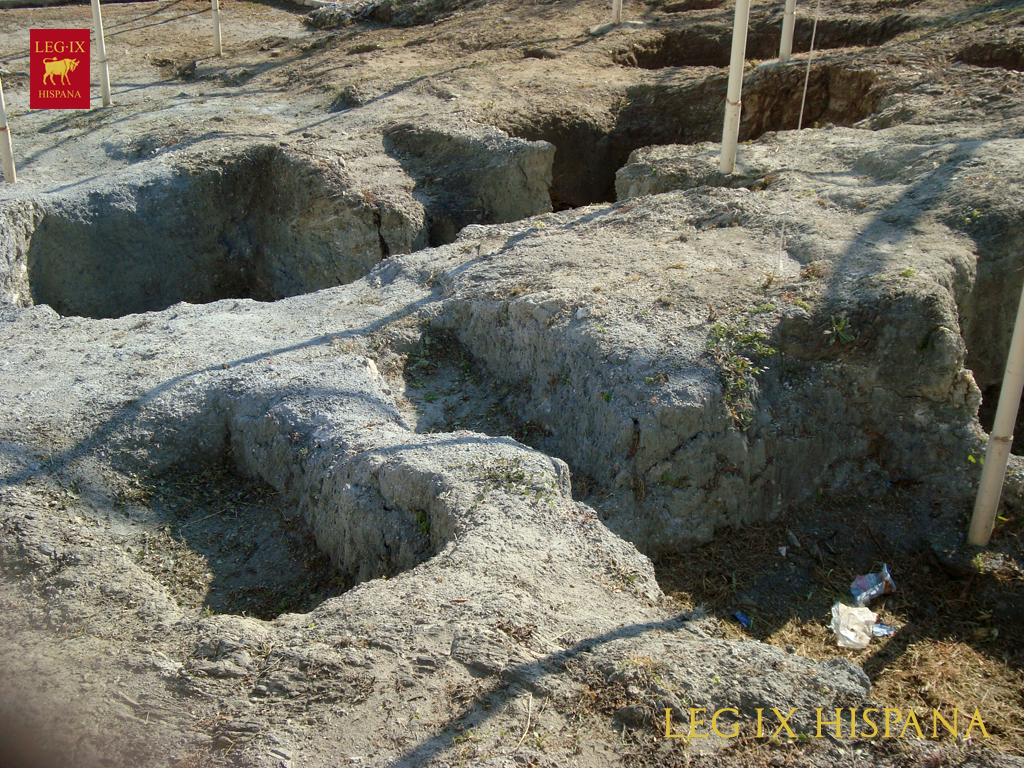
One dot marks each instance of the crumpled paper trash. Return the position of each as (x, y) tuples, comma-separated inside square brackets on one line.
[(852, 625), (866, 588)]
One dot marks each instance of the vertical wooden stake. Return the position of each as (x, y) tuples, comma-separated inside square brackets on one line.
[(731, 128), (101, 46), (6, 149), (788, 26), (807, 75), (217, 51)]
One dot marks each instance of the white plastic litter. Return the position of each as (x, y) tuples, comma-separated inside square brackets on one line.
[(852, 625)]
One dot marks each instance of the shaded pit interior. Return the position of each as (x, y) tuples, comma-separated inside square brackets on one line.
[(989, 314), (587, 154), (451, 389), (987, 417), (1008, 54), (681, 6), (688, 108), (262, 224), (709, 45), (224, 543)]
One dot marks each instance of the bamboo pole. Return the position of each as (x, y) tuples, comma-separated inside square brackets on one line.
[(97, 20), (217, 50), (731, 128), (788, 26), (616, 12), (810, 58), (999, 441), (6, 150)]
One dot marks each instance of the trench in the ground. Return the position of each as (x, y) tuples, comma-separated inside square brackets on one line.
[(988, 311), (590, 148), (987, 416), (264, 223), (221, 539), (1008, 54), (988, 337), (697, 486), (709, 45), (260, 224), (221, 542), (446, 388), (459, 375)]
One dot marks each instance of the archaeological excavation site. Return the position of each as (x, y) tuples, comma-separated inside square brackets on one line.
[(410, 385)]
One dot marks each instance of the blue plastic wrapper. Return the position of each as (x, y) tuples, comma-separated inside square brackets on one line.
[(866, 588), (743, 619), (882, 630)]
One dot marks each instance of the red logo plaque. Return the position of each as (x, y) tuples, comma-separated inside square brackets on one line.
[(59, 68)]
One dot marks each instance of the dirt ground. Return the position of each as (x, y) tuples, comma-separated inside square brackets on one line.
[(185, 616)]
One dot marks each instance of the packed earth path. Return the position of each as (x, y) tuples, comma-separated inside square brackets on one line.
[(408, 387)]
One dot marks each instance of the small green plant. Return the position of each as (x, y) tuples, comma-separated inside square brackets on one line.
[(423, 521), (762, 308), (1005, 523), (738, 336), (607, 396), (738, 351), (908, 272), (840, 330), (430, 397)]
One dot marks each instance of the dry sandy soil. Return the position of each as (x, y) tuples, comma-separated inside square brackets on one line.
[(407, 387)]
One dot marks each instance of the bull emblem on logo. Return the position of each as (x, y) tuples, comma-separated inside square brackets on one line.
[(59, 68)]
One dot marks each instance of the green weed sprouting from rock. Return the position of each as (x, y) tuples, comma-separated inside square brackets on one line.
[(738, 351), (840, 330)]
